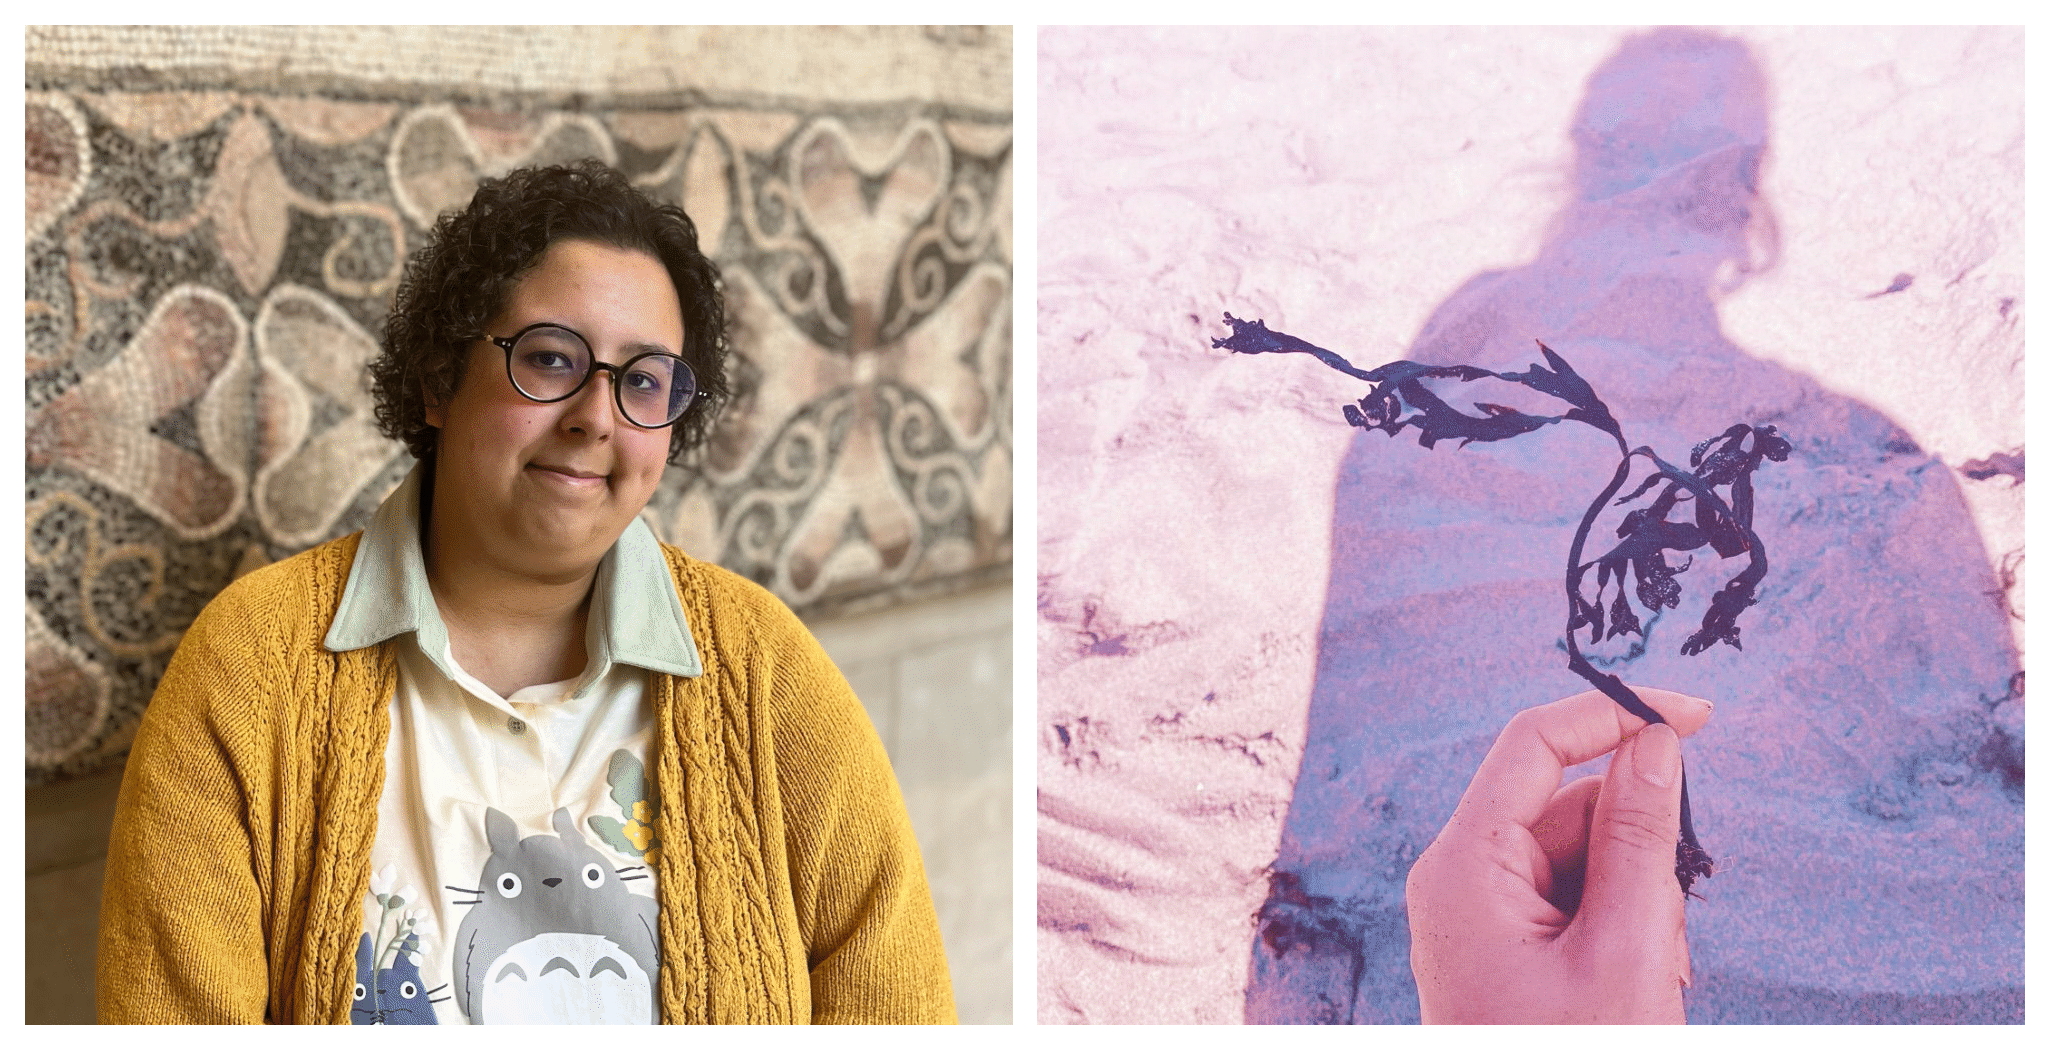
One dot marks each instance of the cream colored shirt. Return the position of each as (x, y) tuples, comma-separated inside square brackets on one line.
[(513, 863)]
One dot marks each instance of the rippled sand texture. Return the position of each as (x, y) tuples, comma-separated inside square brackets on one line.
[(1272, 648)]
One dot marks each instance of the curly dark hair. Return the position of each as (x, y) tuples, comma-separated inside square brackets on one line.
[(475, 256)]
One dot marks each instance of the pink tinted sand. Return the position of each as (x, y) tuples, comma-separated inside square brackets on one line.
[(1348, 182)]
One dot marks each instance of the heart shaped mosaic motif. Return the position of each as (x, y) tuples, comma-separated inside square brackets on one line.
[(54, 152), (439, 152), (71, 705), (323, 443), (131, 424), (206, 272), (865, 208)]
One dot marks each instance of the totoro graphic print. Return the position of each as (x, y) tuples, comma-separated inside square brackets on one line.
[(389, 988), (390, 994), (554, 936)]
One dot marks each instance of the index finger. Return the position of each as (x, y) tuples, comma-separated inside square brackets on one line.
[(1532, 755)]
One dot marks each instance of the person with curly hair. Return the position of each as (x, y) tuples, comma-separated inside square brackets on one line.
[(503, 756)]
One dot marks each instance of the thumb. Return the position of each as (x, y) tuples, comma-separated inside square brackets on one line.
[(1632, 912)]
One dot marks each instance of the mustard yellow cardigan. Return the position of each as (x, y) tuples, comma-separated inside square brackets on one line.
[(790, 885)]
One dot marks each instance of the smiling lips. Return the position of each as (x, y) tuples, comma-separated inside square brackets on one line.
[(571, 474)]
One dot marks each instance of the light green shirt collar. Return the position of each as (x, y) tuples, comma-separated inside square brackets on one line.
[(636, 617)]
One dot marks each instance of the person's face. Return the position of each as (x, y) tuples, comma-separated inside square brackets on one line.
[(546, 489)]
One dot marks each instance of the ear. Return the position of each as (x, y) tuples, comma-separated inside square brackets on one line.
[(501, 832), (436, 411), (567, 827)]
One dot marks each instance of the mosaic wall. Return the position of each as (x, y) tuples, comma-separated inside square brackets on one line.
[(207, 266)]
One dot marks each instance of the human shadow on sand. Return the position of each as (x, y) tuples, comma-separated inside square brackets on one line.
[(1861, 783)]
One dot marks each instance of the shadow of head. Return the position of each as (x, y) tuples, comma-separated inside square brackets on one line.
[(1672, 131)]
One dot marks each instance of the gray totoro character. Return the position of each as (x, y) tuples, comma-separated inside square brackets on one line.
[(555, 937)]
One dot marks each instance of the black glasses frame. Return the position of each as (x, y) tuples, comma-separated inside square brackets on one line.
[(618, 373)]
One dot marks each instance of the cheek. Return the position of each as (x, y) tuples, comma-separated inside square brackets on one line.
[(647, 454), (506, 430)]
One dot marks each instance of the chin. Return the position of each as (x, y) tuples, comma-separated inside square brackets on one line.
[(558, 535)]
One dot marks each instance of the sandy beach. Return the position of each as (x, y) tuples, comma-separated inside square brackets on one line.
[(1273, 647)]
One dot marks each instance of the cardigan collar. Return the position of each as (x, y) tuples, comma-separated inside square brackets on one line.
[(636, 617)]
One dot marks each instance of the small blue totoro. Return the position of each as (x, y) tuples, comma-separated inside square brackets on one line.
[(554, 936), (392, 995)]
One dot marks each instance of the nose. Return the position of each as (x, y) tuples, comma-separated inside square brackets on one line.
[(550, 882), (592, 411)]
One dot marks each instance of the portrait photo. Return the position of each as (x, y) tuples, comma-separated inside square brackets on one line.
[(518, 523)]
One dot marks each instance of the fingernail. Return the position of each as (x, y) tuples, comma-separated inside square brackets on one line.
[(1658, 754)]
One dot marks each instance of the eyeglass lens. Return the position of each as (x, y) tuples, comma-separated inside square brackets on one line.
[(550, 363)]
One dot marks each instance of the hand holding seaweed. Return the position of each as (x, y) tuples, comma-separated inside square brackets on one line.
[(1708, 505), (1547, 904)]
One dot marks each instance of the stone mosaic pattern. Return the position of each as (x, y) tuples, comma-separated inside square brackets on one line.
[(206, 268)]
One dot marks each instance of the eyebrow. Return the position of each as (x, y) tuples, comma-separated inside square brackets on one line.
[(632, 347), (640, 348)]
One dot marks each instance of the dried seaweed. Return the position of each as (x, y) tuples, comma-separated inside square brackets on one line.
[(1707, 506)]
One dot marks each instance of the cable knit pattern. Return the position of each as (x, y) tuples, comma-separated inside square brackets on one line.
[(241, 844)]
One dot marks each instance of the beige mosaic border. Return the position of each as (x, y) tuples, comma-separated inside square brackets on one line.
[(962, 65)]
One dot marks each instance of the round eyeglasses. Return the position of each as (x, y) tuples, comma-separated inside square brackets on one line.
[(548, 363)]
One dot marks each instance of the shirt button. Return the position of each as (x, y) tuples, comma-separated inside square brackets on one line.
[(515, 726)]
